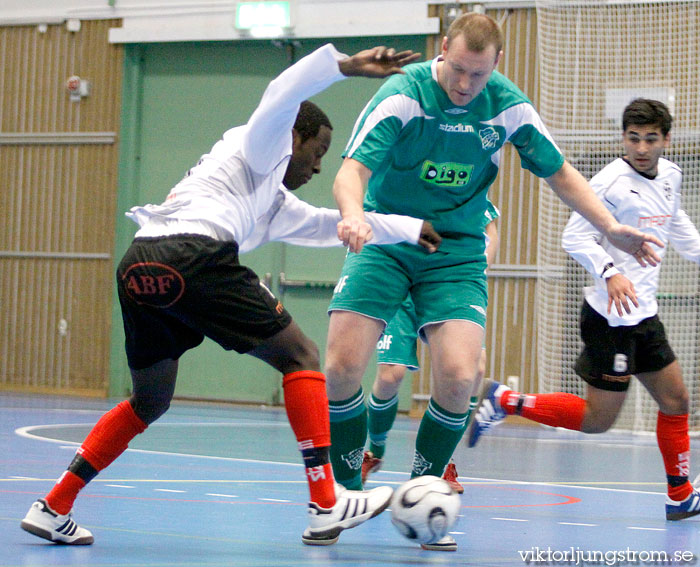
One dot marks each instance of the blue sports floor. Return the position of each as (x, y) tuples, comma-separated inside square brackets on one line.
[(216, 485)]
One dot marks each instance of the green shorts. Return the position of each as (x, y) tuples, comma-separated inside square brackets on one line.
[(443, 286), (398, 343)]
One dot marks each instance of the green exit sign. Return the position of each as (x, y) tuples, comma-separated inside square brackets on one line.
[(255, 15)]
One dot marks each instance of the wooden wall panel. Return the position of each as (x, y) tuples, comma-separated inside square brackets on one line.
[(58, 185)]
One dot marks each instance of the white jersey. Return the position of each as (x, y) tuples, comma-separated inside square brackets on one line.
[(651, 205), (235, 190)]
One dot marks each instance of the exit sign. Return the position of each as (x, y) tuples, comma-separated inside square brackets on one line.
[(255, 15)]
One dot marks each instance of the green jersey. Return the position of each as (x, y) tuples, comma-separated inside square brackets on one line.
[(433, 160)]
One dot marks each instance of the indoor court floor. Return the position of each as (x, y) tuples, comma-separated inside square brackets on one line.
[(214, 485)]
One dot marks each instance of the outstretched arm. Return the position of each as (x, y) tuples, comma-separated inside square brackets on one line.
[(574, 190), (378, 62), (270, 126)]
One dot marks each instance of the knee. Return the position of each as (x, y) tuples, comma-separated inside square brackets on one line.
[(597, 422), (390, 375), (676, 404), (388, 380), (149, 407), (454, 386), (304, 355), (342, 365)]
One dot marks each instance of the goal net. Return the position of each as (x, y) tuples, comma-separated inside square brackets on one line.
[(596, 56)]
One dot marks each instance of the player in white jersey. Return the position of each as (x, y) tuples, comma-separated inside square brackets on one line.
[(431, 141), (621, 331), (181, 280)]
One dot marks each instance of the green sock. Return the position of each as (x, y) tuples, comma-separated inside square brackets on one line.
[(348, 436), (438, 435), (381, 416)]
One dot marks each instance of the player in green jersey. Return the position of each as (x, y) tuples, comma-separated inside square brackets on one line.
[(396, 353), (430, 142)]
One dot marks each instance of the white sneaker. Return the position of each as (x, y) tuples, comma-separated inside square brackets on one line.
[(446, 543), (352, 507), (42, 521)]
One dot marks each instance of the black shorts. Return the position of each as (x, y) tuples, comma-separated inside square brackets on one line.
[(611, 355), (176, 290)]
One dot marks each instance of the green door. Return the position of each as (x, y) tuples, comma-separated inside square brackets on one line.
[(179, 99)]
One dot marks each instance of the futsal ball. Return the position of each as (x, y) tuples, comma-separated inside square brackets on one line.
[(424, 508)]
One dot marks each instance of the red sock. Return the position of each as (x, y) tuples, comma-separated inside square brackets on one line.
[(306, 402), (674, 443), (108, 439), (64, 492), (558, 409)]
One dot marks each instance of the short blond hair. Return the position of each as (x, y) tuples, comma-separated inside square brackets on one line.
[(479, 31)]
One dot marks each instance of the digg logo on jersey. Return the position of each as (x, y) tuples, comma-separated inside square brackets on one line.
[(450, 173), (489, 137)]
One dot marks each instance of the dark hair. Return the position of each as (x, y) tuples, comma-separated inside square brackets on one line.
[(309, 120), (479, 31), (644, 111)]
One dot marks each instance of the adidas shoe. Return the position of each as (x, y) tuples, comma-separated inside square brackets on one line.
[(42, 521), (446, 543), (370, 464), (352, 507), (450, 475), (489, 412), (685, 508)]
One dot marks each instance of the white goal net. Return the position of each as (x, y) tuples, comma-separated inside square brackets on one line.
[(595, 57)]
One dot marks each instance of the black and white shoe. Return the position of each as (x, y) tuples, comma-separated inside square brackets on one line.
[(352, 507), (43, 522)]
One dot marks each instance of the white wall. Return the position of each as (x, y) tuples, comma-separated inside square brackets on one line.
[(189, 20)]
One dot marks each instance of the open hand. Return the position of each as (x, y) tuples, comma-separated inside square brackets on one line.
[(378, 62), (637, 243), (620, 290)]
